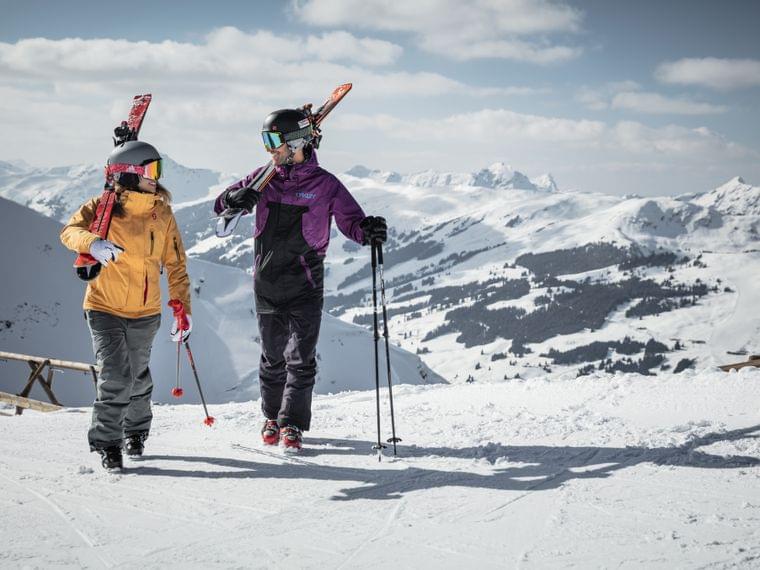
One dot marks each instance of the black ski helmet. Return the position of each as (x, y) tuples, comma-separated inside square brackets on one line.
[(136, 153), (292, 125)]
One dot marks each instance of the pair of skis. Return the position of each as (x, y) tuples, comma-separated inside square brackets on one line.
[(87, 267), (227, 221)]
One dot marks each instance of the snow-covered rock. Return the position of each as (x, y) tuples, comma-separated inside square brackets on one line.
[(734, 198)]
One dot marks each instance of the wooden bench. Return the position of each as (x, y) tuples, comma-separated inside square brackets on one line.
[(38, 365)]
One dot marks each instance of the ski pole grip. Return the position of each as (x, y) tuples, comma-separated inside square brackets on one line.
[(373, 247)]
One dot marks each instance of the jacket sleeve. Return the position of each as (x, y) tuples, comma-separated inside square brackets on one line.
[(76, 234), (219, 204), (175, 261), (348, 214)]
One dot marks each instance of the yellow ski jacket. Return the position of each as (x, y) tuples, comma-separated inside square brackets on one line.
[(148, 233)]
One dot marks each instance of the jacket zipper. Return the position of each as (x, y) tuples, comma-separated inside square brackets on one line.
[(176, 248), (145, 291), (151, 242)]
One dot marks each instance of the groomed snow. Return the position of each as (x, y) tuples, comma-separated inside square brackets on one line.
[(600, 471)]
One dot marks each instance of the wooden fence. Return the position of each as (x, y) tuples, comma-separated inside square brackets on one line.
[(38, 365)]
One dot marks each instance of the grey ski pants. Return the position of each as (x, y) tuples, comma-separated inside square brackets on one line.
[(122, 349), (288, 363)]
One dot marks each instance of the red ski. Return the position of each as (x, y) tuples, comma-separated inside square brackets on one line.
[(228, 219), (87, 267)]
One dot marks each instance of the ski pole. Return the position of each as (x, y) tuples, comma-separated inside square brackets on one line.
[(379, 445), (209, 419), (393, 439), (177, 391)]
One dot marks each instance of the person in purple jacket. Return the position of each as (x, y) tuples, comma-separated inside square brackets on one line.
[(292, 232)]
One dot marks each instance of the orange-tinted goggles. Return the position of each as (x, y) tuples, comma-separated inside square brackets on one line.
[(151, 170)]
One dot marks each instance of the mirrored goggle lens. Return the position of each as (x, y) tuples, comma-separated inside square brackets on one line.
[(272, 139), (152, 170)]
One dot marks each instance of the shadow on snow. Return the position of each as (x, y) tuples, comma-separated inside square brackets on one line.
[(534, 467)]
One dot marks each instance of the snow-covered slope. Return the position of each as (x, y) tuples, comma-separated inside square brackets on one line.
[(594, 472), (41, 315), (735, 198)]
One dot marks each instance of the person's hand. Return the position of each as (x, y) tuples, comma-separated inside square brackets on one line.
[(242, 198), (375, 229), (183, 323), (105, 251)]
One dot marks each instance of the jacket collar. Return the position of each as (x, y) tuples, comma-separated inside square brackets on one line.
[(305, 168), (139, 202)]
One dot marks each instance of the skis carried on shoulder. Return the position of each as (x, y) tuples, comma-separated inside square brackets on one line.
[(87, 267), (227, 221)]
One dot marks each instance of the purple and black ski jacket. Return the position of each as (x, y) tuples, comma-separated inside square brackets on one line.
[(293, 219)]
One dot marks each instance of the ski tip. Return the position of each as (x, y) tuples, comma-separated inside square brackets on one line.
[(227, 222)]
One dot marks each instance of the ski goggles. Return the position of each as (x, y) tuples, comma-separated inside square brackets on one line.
[(152, 170), (272, 139)]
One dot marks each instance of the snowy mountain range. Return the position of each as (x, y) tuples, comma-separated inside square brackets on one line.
[(498, 175), (41, 315), (57, 192), (493, 275)]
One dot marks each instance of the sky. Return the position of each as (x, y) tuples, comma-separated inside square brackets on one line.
[(651, 98)]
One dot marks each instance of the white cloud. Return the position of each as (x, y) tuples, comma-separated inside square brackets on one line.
[(459, 30), (716, 73), (654, 103), (246, 64), (225, 51), (336, 46), (499, 127), (627, 95)]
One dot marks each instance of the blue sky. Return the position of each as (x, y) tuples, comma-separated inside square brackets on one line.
[(616, 97)]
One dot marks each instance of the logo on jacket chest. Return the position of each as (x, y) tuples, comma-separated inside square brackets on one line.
[(306, 195)]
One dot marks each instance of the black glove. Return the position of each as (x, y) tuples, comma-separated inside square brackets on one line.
[(243, 198), (375, 229)]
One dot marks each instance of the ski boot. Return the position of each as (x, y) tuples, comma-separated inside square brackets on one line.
[(270, 432), (291, 438), (134, 445), (111, 458)]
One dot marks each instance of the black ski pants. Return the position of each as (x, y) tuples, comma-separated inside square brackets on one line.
[(288, 362)]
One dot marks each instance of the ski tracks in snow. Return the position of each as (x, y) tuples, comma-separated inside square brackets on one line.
[(66, 518)]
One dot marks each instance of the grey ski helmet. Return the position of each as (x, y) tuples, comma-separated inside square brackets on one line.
[(137, 153), (291, 126), (134, 153)]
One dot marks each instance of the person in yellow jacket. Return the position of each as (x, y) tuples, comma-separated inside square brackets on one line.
[(123, 303)]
